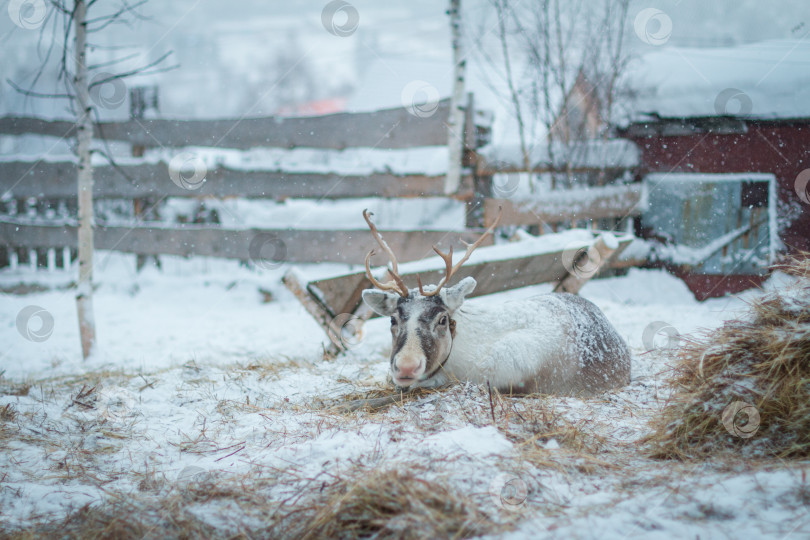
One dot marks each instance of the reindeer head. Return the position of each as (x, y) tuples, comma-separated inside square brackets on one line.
[(422, 325)]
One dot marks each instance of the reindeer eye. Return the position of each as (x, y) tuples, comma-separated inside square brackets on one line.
[(443, 320), (393, 321)]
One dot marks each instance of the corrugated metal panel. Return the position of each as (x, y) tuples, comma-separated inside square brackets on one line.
[(696, 214)]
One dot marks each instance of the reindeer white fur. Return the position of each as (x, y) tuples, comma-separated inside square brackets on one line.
[(556, 343)]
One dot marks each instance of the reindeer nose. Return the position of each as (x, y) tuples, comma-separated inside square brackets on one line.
[(407, 372)]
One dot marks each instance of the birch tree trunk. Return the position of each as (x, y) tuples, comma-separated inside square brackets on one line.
[(84, 124), (455, 122)]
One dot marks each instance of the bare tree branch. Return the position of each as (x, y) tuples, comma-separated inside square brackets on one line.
[(138, 71), (31, 93), (107, 20), (73, 71), (61, 8), (501, 8), (44, 61), (108, 154), (573, 55), (113, 62), (104, 47)]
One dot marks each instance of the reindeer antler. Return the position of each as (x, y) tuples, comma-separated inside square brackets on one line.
[(397, 284), (448, 258)]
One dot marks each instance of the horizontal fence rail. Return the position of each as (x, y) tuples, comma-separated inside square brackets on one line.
[(574, 204), (57, 179), (583, 156), (389, 128), (265, 247)]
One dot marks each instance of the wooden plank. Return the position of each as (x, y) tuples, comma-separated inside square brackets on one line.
[(390, 128), (29, 125), (488, 169), (584, 156), (58, 180), (341, 294), (321, 316), (562, 205), (595, 258), (268, 247)]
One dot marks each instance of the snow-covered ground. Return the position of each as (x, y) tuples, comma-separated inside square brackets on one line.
[(199, 380)]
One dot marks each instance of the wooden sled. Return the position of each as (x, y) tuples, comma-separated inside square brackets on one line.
[(568, 259)]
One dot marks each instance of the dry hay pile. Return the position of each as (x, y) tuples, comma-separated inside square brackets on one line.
[(387, 504), (746, 386), (364, 503)]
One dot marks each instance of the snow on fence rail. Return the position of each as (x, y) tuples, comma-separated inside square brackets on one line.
[(49, 179), (610, 154), (616, 201), (390, 128), (608, 163), (389, 153), (265, 247), (312, 162)]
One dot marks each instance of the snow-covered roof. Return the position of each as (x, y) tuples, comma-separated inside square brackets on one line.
[(611, 153), (765, 80)]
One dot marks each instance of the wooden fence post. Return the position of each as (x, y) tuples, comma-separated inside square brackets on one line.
[(482, 184), (138, 105)]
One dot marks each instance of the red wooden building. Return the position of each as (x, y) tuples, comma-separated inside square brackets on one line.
[(734, 110)]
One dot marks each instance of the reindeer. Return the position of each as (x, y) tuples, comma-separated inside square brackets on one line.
[(556, 343)]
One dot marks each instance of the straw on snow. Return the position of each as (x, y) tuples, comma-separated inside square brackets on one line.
[(746, 386)]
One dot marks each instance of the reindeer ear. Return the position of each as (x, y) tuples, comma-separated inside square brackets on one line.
[(455, 295), (382, 302)]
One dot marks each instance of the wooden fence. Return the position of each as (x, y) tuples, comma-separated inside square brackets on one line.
[(614, 202), (46, 188), (601, 198)]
